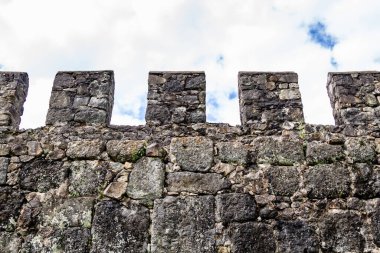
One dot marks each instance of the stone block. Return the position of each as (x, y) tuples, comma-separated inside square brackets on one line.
[(251, 237), (4, 162), (232, 152), (146, 181), (116, 190), (126, 151), (360, 150), (235, 207), (207, 183), (192, 153), (120, 228), (375, 222), (183, 224), (283, 180), (42, 175), (317, 153), (85, 149), (11, 201), (328, 181), (10, 242), (366, 180)]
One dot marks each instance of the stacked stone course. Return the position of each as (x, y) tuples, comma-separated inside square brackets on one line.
[(179, 184)]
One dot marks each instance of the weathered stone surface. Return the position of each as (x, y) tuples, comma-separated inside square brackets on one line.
[(360, 150), (317, 153), (192, 153), (366, 180), (341, 232), (10, 204), (297, 236), (251, 237), (9, 242), (42, 175), (183, 224), (116, 190), (119, 228), (232, 152), (278, 151), (126, 151), (235, 207), (209, 183), (87, 178), (4, 149), (376, 225), (146, 180), (75, 240), (328, 181), (34, 148), (85, 149), (4, 162), (283, 180)]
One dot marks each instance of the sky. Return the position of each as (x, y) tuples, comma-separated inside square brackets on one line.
[(220, 37)]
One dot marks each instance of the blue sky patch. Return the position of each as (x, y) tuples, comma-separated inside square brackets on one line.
[(333, 62), (1, 66), (317, 33), (232, 95), (220, 60), (213, 102)]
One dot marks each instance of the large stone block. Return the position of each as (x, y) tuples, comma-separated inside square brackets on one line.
[(232, 152), (11, 201), (366, 180), (328, 181), (208, 183), (85, 149), (235, 207), (146, 181), (42, 175), (360, 149), (251, 237), (317, 153), (120, 228), (283, 180), (183, 224), (126, 151), (4, 162), (192, 153)]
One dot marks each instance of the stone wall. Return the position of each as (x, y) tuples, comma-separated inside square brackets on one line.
[(179, 184)]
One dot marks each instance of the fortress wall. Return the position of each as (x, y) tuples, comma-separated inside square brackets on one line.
[(179, 184)]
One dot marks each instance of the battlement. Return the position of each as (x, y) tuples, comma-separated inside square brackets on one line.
[(268, 100), (180, 184)]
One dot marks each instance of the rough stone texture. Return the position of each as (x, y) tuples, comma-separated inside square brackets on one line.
[(283, 180), (235, 207), (192, 153), (232, 152), (85, 149), (42, 175), (270, 100), (146, 180), (317, 153), (208, 183), (251, 237), (4, 162), (341, 232), (328, 181), (183, 224), (354, 97), (297, 236), (274, 184), (279, 151), (176, 97), (126, 151), (119, 228), (13, 91), (81, 97)]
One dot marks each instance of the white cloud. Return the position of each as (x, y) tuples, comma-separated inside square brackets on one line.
[(132, 37)]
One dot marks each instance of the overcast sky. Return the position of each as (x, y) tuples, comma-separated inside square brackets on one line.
[(220, 37)]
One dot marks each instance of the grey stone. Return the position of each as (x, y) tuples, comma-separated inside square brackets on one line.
[(4, 150), (75, 240), (341, 232), (192, 153), (208, 183), (146, 181), (317, 153), (87, 178), (91, 116), (85, 149), (375, 220), (4, 162), (11, 201), (126, 151), (34, 148), (366, 180), (283, 180), (360, 150), (183, 224), (235, 207), (251, 237), (288, 94), (10, 242), (119, 228), (42, 175), (328, 181), (232, 152), (297, 236), (116, 190), (278, 151)]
